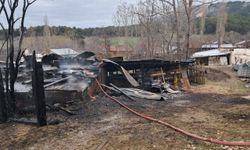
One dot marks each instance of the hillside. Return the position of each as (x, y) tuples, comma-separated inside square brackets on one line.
[(238, 17), (236, 23), (233, 8)]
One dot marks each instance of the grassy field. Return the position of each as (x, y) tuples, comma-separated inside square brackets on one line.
[(223, 84), (130, 41)]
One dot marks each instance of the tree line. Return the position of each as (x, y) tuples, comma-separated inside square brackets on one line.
[(72, 32), (235, 22)]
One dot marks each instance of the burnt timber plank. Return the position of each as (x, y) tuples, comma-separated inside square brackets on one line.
[(38, 91)]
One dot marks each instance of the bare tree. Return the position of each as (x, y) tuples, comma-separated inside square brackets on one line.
[(133, 20), (140, 17), (147, 15), (46, 34), (184, 18), (166, 27), (122, 16), (174, 5), (3, 109), (247, 37), (155, 20), (233, 37), (9, 9), (221, 22), (188, 5), (203, 17), (163, 21)]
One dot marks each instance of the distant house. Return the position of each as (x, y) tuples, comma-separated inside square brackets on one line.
[(55, 55), (240, 55), (215, 45), (119, 51), (85, 56), (213, 57), (64, 52)]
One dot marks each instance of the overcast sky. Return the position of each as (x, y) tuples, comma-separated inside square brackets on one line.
[(78, 13)]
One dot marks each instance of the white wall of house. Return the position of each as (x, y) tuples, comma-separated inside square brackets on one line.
[(223, 60), (218, 61), (240, 55)]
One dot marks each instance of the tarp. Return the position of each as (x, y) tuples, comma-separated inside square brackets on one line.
[(244, 70)]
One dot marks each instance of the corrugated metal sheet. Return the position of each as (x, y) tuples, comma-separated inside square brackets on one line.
[(210, 53), (65, 52)]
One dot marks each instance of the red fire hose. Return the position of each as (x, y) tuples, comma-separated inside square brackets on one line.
[(210, 140)]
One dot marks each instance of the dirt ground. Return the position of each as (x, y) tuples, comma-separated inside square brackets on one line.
[(219, 109)]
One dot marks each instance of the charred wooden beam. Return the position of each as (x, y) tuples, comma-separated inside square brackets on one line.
[(3, 113), (59, 108), (137, 64), (38, 91), (24, 121), (56, 82), (104, 75), (143, 73)]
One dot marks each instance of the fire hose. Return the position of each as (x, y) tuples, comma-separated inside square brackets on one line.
[(209, 140)]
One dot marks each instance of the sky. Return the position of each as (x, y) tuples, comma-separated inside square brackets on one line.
[(78, 13), (74, 13)]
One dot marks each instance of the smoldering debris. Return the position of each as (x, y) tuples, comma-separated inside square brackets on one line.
[(152, 74), (70, 82), (147, 79), (62, 74)]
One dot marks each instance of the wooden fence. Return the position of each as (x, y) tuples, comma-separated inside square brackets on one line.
[(196, 75)]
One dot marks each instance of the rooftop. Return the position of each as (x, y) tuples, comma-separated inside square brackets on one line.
[(64, 52), (217, 46), (209, 53)]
